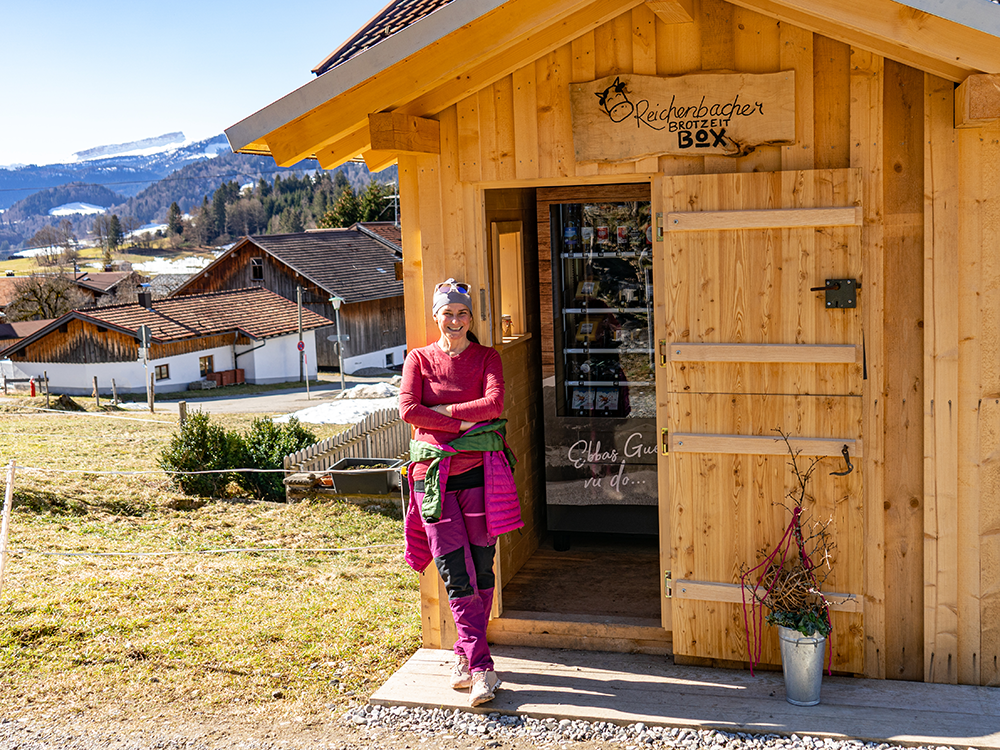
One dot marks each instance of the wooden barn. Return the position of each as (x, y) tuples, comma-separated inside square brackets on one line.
[(356, 264), (693, 222)]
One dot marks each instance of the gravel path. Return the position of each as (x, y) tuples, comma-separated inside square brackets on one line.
[(398, 728)]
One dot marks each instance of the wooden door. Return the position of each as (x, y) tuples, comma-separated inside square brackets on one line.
[(747, 346)]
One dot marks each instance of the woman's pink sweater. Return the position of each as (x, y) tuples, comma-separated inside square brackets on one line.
[(472, 381)]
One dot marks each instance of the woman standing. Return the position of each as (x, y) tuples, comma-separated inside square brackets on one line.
[(452, 393)]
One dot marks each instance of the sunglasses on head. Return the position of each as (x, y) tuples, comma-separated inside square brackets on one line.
[(453, 286)]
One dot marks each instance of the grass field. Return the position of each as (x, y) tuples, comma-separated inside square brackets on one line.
[(93, 255), (209, 630)]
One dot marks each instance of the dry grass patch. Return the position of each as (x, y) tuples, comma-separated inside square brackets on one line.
[(210, 629)]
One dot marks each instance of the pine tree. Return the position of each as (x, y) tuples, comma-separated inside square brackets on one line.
[(115, 234), (175, 221), (373, 202), (345, 212), (291, 221)]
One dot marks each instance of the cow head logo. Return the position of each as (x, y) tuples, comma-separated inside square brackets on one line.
[(614, 100)]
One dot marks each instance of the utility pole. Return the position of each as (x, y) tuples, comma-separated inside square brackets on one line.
[(337, 302), (302, 351)]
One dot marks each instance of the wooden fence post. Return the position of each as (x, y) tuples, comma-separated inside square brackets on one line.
[(97, 395), (152, 387), (182, 411), (8, 501), (45, 385), (114, 392)]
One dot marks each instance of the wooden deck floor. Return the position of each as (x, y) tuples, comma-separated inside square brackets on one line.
[(627, 688)]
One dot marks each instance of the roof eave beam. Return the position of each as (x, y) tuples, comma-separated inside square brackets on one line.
[(893, 30), (977, 101), (515, 25), (673, 11)]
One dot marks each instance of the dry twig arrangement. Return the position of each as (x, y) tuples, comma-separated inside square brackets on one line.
[(786, 583)]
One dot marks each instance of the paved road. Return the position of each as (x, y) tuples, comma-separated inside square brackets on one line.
[(272, 402)]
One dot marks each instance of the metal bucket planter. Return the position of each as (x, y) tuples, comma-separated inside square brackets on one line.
[(802, 665)]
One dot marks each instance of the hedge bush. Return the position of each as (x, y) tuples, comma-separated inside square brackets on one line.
[(200, 445)]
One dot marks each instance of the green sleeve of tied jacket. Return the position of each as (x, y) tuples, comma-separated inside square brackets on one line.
[(485, 437)]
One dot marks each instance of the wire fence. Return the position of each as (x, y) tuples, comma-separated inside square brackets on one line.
[(382, 433), (12, 472)]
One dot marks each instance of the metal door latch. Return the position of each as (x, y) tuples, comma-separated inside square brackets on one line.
[(668, 585), (840, 292), (847, 460)]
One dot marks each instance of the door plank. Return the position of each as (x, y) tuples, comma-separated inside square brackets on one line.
[(761, 445), (787, 353), (700, 221)]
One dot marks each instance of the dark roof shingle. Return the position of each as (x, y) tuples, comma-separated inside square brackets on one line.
[(257, 312), (345, 262), (397, 15)]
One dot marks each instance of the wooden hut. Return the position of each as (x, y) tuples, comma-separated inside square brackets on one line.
[(692, 222)]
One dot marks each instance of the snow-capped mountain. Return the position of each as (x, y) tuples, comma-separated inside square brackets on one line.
[(127, 168)]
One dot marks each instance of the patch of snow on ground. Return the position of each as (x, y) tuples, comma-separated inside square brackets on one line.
[(369, 390), (178, 265), (32, 252), (151, 228), (71, 209), (341, 411)]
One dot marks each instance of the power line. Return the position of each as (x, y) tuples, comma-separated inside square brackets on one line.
[(151, 181)]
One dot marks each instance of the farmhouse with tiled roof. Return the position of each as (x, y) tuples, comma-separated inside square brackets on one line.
[(246, 334)]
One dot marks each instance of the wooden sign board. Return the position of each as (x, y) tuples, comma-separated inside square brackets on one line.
[(627, 117)]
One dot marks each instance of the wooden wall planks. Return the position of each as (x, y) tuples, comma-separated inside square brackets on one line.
[(989, 414), (903, 170), (866, 139)]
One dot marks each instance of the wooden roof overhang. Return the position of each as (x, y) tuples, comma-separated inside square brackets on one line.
[(382, 102)]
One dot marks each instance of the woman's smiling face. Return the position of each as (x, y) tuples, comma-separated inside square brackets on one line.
[(453, 320)]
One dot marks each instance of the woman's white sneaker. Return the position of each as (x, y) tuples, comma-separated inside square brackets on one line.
[(484, 686), (461, 677)]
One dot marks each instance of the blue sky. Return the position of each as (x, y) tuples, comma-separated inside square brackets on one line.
[(76, 75)]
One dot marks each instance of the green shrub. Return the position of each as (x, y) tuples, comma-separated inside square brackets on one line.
[(200, 445), (264, 446)]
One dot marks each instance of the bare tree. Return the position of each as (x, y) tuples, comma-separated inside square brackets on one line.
[(47, 241), (45, 296), (125, 291)]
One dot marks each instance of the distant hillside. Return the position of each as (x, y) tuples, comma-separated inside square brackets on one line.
[(40, 203), (142, 187), (190, 185)]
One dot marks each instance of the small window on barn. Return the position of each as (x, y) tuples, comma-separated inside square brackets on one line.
[(507, 275), (102, 329), (163, 372), (206, 365), (64, 328), (256, 269)]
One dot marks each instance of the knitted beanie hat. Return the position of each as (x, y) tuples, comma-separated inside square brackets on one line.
[(450, 293)]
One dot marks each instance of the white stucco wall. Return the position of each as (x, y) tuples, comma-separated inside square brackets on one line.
[(129, 377), (374, 359), (276, 361)]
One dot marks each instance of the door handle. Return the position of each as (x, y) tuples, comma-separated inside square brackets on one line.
[(847, 460)]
